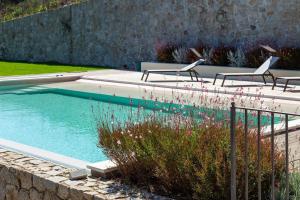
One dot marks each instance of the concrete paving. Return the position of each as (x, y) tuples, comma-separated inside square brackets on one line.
[(289, 100), (204, 83)]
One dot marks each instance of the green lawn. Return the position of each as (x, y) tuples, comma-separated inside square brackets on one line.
[(19, 68)]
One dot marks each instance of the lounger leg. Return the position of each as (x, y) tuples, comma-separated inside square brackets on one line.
[(264, 79), (273, 79), (191, 75), (286, 84), (143, 75), (274, 82), (223, 81), (196, 75), (215, 79), (147, 76)]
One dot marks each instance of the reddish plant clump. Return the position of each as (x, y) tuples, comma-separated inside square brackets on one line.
[(220, 55), (164, 52), (255, 55), (289, 58)]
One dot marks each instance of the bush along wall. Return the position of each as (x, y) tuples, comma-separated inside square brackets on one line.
[(224, 55)]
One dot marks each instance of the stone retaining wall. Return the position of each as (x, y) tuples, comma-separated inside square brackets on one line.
[(123, 32), (27, 178)]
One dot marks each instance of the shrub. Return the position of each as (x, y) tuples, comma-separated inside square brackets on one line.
[(164, 52), (180, 55), (208, 55), (201, 48), (220, 55), (294, 187), (180, 156), (237, 58), (192, 57), (289, 58), (255, 57), (252, 56), (215, 56)]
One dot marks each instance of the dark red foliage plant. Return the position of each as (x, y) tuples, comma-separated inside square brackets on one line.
[(289, 58), (164, 52), (220, 55)]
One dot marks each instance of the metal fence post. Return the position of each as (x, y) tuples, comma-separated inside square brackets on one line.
[(272, 157), (246, 153), (287, 182), (258, 155), (233, 151), (233, 158)]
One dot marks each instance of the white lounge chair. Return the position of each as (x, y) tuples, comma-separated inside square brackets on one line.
[(189, 69), (262, 71)]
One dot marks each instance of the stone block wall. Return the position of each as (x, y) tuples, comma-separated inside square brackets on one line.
[(27, 178), (124, 32)]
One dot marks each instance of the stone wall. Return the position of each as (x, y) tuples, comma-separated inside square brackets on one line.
[(27, 178), (119, 32)]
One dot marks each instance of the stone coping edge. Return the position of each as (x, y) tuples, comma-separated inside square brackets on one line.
[(102, 167), (43, 154)]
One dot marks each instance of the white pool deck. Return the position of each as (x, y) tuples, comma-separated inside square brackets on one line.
[(173, 81), (128, 83)]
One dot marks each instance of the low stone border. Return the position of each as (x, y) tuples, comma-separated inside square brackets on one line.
[(27, 178)]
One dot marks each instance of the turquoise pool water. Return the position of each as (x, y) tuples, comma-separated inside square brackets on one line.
[(60, 121), (63, 121)]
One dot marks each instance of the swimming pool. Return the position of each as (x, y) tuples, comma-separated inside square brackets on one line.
[(60, 121), (63, 121)]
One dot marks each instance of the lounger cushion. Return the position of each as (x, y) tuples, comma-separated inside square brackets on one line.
[(260, 71), (266, 65), (184, 69), (164, 70), (290, 78), (239, 74), (193, 65)]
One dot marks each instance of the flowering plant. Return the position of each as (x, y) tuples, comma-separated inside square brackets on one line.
[(186, 152)]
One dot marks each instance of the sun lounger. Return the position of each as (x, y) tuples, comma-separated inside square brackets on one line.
[(287, 79), (189, 69), (262, 71)]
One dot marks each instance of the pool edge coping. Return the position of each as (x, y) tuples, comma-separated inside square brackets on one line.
[(103, 167)]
